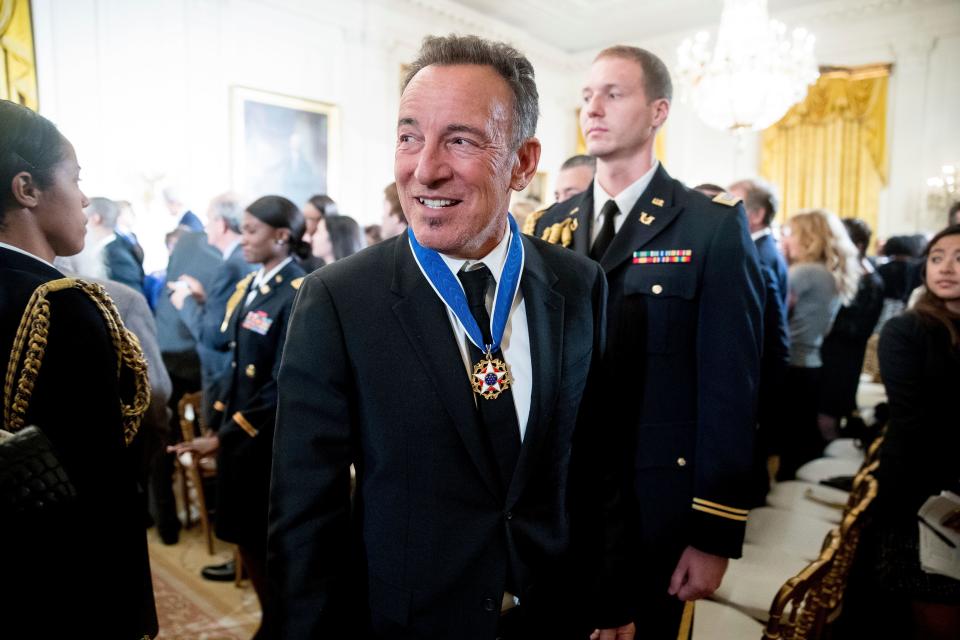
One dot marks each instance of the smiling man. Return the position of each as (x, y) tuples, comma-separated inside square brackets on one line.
[(684, 330), (448, 366)]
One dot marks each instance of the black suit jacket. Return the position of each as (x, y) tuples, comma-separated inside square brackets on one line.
[(372, 376), (776, 330), (204, 320), (192, 256), (45, 572), (122, 265), (683, 363)]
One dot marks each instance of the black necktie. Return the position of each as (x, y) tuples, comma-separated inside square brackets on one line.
[(498, 416), (607, 230)]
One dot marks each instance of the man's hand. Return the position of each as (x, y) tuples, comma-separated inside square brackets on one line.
[(626, 632), (697, 575), (195, 287), (178, 293)]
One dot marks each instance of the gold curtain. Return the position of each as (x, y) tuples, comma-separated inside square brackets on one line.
[(830, 150), (18, 69), (659, 144)]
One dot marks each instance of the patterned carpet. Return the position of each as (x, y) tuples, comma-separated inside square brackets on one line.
[(191, 608)]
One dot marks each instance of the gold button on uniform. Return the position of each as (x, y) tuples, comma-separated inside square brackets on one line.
[(251, 371), (657, 289), (681, 462)]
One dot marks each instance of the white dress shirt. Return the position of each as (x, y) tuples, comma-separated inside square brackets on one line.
[(625, 200), (263, 278), (516, 337)]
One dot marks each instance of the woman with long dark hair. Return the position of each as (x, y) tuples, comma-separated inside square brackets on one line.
[(256, 321), (87, 397), (920, 366)]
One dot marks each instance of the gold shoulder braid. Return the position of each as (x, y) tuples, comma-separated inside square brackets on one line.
[(530, 223), (235, 299), (561, 232), (32, 333)]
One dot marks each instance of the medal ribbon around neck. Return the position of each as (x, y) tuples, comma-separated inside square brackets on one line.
[(448, 287)]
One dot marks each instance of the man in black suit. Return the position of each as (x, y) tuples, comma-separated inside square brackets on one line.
[(201, 309), (478, 509), (115, 253), (684, 327), (182, 357), (760, 202)]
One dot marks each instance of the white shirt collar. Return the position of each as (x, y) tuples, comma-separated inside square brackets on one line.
[(104, 242), (26, 253), (756, 235), (495, 260), (262, 277), (230, 249), (627, 198)]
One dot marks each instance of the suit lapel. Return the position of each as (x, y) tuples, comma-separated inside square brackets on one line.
[(424, 320), (544, 308), (584, 214), (653, 213)]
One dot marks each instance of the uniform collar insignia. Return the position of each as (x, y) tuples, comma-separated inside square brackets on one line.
[(646, 218)]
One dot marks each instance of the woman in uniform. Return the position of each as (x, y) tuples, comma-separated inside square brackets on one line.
[(256, 321), (86, 406)]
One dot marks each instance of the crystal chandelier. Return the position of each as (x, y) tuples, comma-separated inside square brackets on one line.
[(755, 73)]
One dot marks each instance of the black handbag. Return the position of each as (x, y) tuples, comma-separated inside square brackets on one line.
[(31, 478)]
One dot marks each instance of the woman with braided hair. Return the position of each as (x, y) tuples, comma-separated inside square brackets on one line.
[(72, 370)]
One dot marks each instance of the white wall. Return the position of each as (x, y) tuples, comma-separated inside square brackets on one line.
[(142, 88), (922, 40)]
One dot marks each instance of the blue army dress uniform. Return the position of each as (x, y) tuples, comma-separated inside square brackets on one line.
[(257, 331), (684, 319)]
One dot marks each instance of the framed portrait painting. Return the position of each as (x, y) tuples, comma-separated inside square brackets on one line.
[(283, 145)]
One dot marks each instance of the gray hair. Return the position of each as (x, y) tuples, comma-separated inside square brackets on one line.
[(509, 63), (759, 194), (107, 209), (227, 207), (579, 161)]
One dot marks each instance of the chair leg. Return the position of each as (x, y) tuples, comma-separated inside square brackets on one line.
[(197, 480), (238, 567)]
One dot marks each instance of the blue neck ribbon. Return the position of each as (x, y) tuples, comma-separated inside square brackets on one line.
[(448, 287)]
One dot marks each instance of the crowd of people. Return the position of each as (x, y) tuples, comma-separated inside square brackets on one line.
[(462, 422)]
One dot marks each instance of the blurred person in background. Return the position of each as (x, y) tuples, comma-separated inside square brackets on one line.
[(823, 276), (576, 174), (844, 347), (336, 238), (393, 222)]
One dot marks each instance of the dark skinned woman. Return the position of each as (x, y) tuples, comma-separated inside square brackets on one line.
[(74, 563), (256, 321)]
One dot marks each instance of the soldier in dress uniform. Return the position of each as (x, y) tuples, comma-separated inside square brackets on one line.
[(256, 321), (684, 332)]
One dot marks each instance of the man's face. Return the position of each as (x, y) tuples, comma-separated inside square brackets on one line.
[(215, 227), (454, 164), (572, 181), (617, 119)]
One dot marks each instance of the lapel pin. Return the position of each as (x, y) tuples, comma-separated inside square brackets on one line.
[(646, 218), (658, 202), (573, 211)]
